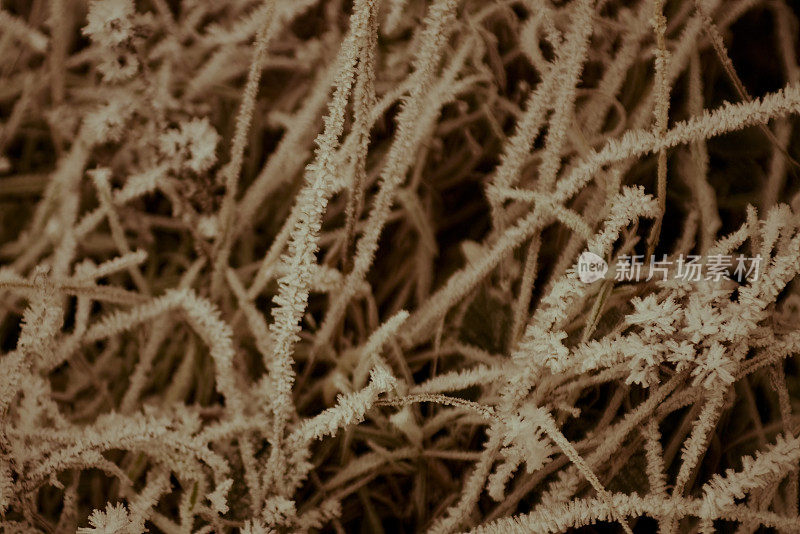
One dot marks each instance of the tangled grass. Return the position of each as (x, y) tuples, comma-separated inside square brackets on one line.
[(310, 265)]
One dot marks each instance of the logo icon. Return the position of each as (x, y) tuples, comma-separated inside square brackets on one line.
[(591, 267)]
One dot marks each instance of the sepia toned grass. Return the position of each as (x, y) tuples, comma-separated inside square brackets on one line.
[(310, 266)]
